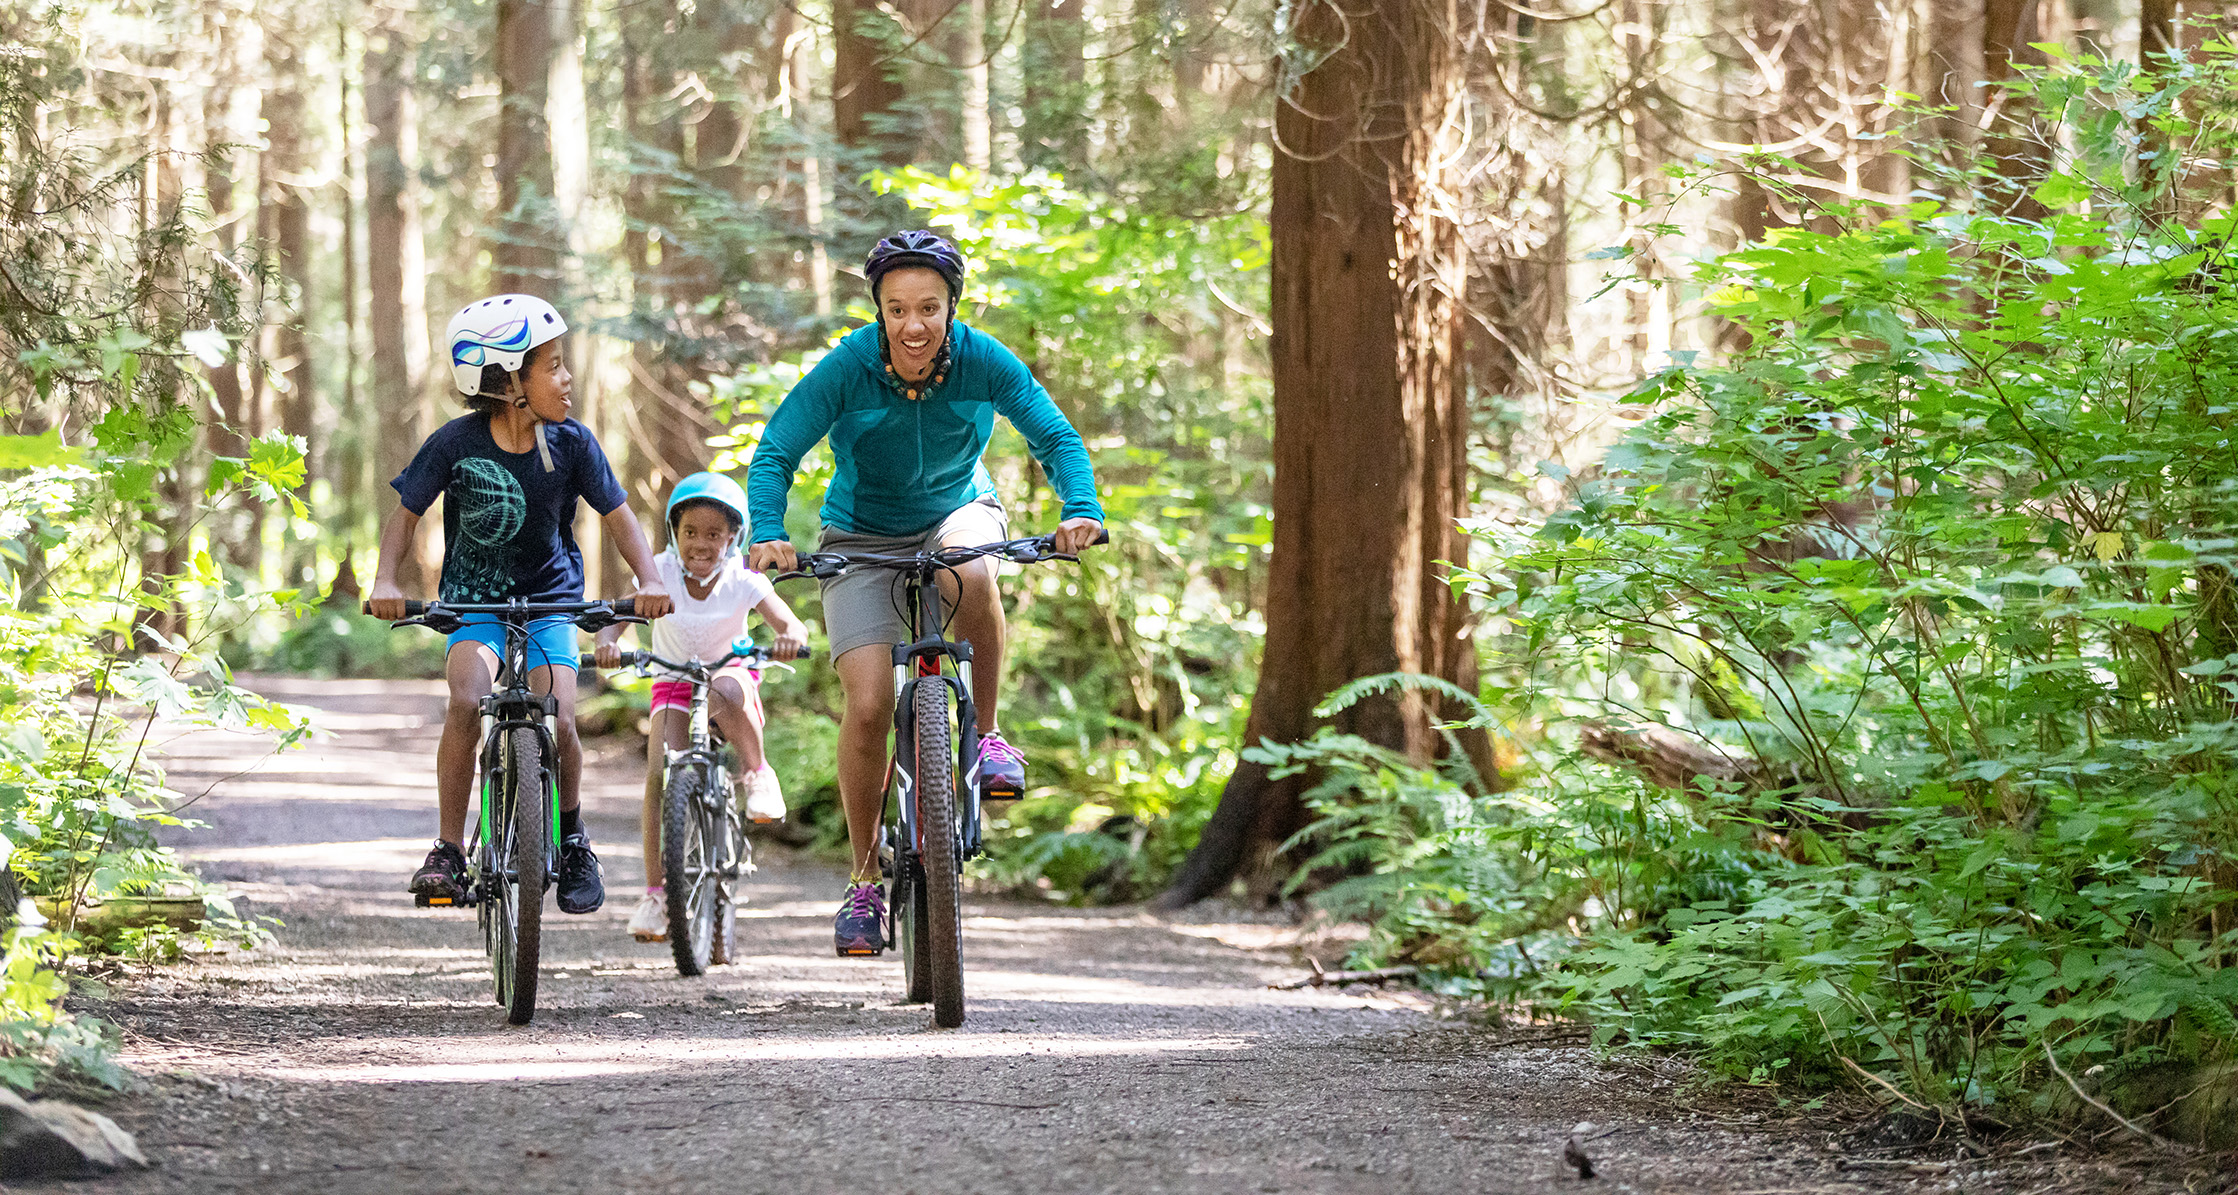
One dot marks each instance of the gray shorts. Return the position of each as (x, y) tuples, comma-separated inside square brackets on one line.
[(870, 605)]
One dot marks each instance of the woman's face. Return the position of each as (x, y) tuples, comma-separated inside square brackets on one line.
[(703, 536), (547, 384), (913, 302)]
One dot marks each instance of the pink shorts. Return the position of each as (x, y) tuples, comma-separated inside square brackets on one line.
[(677, 694)]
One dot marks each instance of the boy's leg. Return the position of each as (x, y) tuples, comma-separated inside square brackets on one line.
[(471, 671), (582, 884), (866, 675), (560, 683)]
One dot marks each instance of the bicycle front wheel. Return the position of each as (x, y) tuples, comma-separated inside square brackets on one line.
[(688, 868), (938, 851), (527, 867)]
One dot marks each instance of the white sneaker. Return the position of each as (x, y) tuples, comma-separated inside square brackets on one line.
[(761, 796), (650, 922)]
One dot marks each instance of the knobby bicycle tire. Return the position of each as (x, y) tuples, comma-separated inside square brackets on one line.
[(530, 864), (687, 868), (936, 831)]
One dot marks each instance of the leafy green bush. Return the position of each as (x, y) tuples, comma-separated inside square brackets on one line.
[(1888, 667), (111, 604)]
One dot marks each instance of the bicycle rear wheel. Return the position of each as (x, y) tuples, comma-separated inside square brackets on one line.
[(937, 848), (527, 868), (687, 867)]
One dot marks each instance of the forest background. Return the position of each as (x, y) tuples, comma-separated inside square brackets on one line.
[(1625, 497)]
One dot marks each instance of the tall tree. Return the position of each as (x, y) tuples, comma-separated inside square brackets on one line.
[(525, 252), (1055, 70), (1369, 275), (285, 218), (866, 89), (395, 260)]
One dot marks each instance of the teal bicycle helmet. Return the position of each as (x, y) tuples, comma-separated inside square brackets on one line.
[(707, 487)]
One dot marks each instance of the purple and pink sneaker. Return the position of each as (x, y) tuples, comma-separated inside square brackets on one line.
[(860, 929), (1002, 770)]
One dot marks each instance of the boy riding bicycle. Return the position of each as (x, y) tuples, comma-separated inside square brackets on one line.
[(510, 473), (714, 591), (909, 404)]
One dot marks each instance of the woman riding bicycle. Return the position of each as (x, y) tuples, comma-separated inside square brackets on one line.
[(909, 404)]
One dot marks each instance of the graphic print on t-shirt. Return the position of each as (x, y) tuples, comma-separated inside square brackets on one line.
[(491, 511)]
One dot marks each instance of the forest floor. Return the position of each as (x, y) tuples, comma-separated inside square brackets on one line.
[(1106, 1050)]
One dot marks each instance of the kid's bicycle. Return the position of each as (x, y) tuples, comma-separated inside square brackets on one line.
[(934, 767), (704, 852), (514, 855)]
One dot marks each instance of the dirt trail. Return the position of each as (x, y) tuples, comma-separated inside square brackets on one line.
[(1105, 1050)]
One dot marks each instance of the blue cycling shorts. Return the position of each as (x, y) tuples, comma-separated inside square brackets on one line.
[(551, 639)]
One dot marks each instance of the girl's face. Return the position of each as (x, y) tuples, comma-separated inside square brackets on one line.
[(547, 384), (703, 536), (913, 302)]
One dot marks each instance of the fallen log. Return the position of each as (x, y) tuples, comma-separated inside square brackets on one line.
[(1326, 979)]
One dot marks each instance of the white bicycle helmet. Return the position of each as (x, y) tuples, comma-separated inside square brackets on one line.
[(500, 330)]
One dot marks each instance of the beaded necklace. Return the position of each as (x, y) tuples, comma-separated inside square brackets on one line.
[(915, 392)]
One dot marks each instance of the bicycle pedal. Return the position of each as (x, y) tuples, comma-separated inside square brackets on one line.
[(847, 952), (424, 901), (1001, 792)]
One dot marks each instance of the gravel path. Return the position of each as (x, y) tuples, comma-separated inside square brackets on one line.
[(1106, 1050)]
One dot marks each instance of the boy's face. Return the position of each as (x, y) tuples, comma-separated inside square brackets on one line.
[(703, 537), (547, 384)]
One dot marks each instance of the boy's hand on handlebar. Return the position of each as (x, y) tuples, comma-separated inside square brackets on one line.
[(652, 600), (773, 556), (1074, 534), (386, 602)]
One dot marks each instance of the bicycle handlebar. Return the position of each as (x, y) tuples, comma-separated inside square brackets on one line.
[(441, 615), (1030, 550), (632, 659)]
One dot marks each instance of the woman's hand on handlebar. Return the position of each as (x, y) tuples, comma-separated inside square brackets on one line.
[(773, 556), (386, 602), (1074, 534)]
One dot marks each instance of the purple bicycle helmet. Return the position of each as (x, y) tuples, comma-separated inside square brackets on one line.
[(916, 247)]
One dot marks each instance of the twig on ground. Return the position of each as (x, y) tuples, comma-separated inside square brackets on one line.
[(1892, 1164), (1321, 978), (2124, 1121), (1892, 1088)]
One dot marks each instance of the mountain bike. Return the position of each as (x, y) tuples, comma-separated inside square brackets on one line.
[(514, 855), (704, 852), (933, 788)]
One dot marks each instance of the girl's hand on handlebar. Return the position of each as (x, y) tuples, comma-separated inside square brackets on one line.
[(652, 600), (386, 602), (609, 652), (772, 556), (1074, 534)]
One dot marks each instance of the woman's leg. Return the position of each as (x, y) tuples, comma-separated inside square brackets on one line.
[(979, 622), (866, 674)]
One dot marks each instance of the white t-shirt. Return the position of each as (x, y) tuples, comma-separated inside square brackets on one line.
[(703, 628)]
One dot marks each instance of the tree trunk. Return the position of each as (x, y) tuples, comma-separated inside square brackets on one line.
[(974, 59), (286, 213), (395, 268), (525, 252), (1370, 425), (865, 88), (1056, 134), (2017, 142)]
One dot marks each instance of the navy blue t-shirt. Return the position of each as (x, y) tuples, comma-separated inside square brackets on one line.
[(508, 522)]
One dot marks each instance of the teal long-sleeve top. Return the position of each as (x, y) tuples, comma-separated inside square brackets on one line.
[(903, 466)]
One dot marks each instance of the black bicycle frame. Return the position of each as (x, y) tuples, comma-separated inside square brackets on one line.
[(915, 663)]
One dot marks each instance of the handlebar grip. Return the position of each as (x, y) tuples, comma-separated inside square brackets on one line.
[(588, 661), (805, 653), (411, 609), (1102, 537), (626, 608)]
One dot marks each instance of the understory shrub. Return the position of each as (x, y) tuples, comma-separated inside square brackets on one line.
[(1880, 683)]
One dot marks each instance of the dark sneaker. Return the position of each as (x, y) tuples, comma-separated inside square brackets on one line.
[(860, 929), (582, 887), (441, 881), (1002, 771)]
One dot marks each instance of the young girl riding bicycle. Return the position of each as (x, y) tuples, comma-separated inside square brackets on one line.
[(714, 591)]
